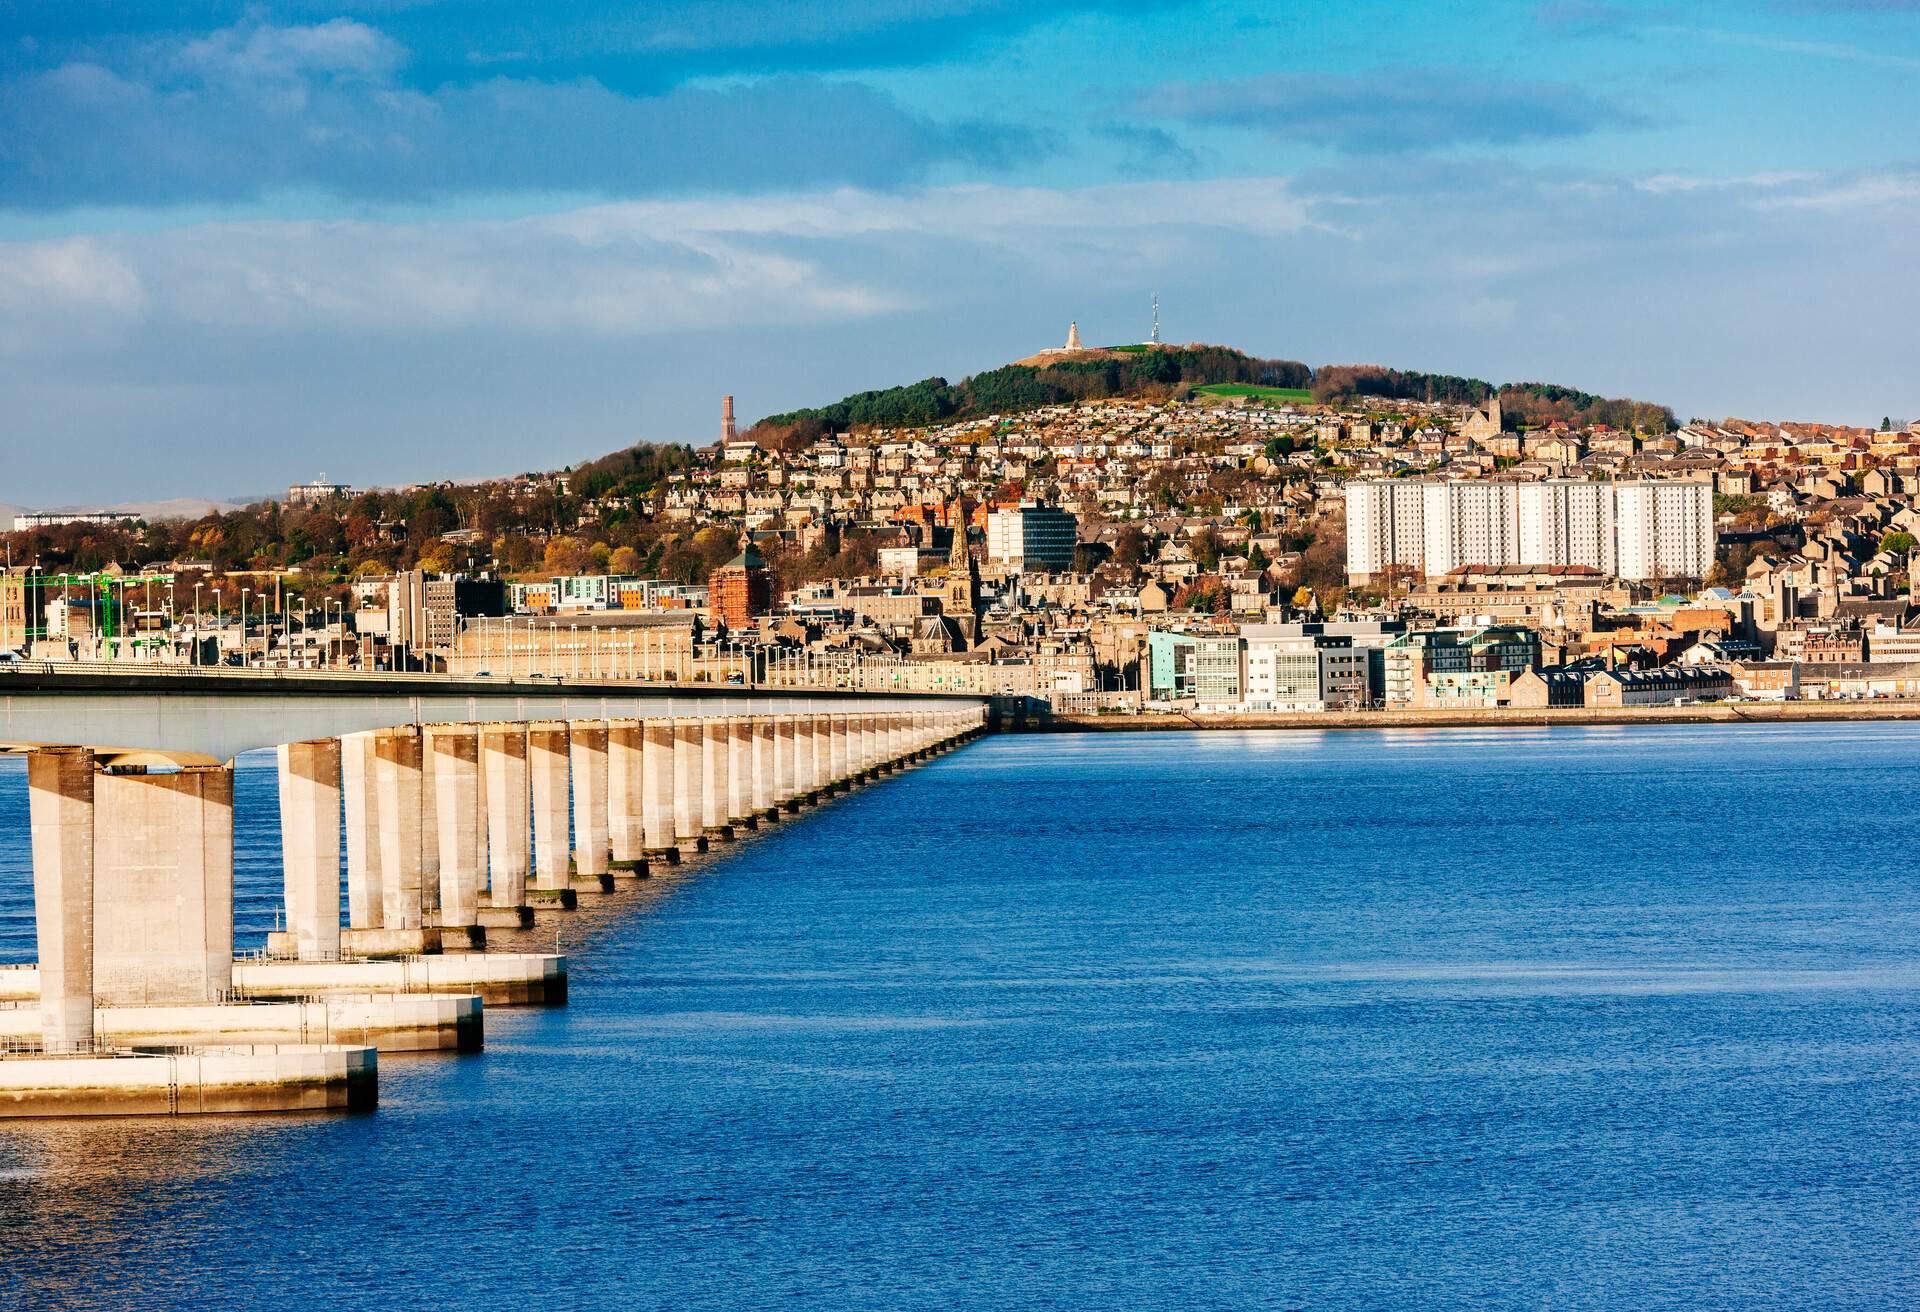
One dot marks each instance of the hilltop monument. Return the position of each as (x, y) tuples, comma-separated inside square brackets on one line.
[(1073, 338)]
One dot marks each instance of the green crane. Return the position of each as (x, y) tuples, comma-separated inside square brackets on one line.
[(95, 583)]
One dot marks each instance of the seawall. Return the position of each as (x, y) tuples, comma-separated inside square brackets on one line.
[(1504, 716)]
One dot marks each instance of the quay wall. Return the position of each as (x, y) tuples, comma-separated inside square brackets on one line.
[(1502, 716)]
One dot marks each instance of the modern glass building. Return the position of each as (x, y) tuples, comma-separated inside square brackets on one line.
[(1032, 539)]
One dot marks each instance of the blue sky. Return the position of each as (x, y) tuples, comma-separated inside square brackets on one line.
[(242, 243)]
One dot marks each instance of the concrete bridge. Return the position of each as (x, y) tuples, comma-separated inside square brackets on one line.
[(459, 804)]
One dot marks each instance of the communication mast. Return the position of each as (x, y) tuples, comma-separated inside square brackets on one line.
[(1155, 336)]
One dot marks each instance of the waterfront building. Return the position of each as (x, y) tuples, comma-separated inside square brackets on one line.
[(1288, 669), (1451, 669), (617, 644), (1205, 669), (1668, 686), (569, 592)]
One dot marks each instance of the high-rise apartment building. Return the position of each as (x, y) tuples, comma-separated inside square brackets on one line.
[(1647, 529)]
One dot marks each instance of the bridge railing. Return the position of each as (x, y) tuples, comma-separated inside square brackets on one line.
[(864, 674)]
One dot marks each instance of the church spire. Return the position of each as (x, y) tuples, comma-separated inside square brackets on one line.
[(962, 601)]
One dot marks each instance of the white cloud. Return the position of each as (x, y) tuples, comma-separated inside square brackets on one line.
[(1869, 191), (265, 53), (626, 269), (1661, 183)]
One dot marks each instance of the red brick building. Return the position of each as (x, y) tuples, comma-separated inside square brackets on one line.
[(740, 590)]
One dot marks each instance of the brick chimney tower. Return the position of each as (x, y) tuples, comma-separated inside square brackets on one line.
[(727, 430)]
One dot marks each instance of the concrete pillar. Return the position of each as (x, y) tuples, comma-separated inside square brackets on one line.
[(360, 803), (310, 846), (60, 810), (837, 748), (689, 776), (786, 745), (896, 737), (626, 795), (589, 751), (397, 783), (762, 762), (802, 755), (657, 766), (822, 773), (503, 768), (454, 753), (715, 745), (739, 768), (868, 757), (547, 765), (163, 886), (429, 837), (777, 757)]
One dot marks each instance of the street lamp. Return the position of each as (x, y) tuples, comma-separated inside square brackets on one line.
[(246, 643)]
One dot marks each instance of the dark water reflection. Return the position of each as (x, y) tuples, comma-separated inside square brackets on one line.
[(1532, 1019)]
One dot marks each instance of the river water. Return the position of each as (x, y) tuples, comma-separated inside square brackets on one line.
[(1568, 1018)]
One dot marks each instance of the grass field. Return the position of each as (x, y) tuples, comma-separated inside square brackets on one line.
[(1299, 394)]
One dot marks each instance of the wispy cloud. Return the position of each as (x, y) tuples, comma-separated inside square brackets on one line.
[(1862, 192), (244, 111), (1681, 182), (1812, 49), (1407, 111), (631, 269)]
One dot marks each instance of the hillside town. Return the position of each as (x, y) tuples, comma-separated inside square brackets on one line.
[(1213, 550)]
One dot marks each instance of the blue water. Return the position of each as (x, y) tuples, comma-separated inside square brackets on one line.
[(1531, 1019)]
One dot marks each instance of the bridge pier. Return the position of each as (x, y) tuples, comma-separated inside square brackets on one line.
[(547, 765), (786, 743), (658, 786), (837, 753), (163, 886), (362, 832), (589, 757), (763, 769), (689, 774), (460, 824), (399, 785), (503, 772), (715, 760), (310, 847), (802, 762), (740, 773), (60, 807), (626, 797), (821, 773)]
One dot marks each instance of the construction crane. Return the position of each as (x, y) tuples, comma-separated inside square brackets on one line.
[(99, 586)]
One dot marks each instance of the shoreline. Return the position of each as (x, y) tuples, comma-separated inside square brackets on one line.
[(1503, 716)]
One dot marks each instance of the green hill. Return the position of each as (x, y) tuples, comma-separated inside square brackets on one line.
[(1013, 387), (1169, 372)]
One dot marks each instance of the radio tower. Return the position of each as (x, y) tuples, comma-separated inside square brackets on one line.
[(1156, 318)]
